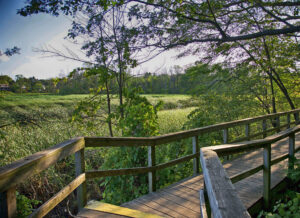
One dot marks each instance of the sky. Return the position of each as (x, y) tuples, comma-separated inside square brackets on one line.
[(37, 31)]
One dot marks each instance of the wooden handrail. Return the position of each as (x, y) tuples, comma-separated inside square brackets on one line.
[(18, 171), (223, 199)]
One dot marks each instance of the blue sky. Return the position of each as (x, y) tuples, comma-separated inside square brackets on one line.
[(28, 33), (41, 30)]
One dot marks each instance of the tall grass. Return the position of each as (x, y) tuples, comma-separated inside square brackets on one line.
[(50, 124)]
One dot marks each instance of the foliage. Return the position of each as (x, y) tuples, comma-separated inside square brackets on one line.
[(140, 119), (294, 174), (289, 206), (140, 116), (25, 205)]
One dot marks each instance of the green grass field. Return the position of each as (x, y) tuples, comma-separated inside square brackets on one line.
[(44, 100), (50, 116), (50, 124)]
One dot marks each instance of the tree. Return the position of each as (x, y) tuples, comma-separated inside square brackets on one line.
[(194, 26), (176, 23), (11, 51)]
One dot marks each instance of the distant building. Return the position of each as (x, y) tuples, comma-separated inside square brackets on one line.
[(4, 87)]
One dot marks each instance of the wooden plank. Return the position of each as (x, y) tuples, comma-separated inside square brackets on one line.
[(288, 119), (245, 174), (225, 140), (202, 204), (177, 204), (223, 198), (137, 170), (157, 207), (267, 176), (138, 206), (264, 128), (8, 203), (183, 200), (117, 210), (196, 161), (278, 123), (184, 192), (247, 131), (254, 144), (79, 169), (152, 173), (56, 199), (264, 133), (87, 213), (291, 151), (19, 171)]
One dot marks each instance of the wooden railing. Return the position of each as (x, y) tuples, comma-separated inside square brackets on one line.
[(223, 198), (13, 174)]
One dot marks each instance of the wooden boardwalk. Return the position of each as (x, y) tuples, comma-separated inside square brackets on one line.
[(182, 199)]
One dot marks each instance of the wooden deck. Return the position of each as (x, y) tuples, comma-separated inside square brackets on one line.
[(182, 199)]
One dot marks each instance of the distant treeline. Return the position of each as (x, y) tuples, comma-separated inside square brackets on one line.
[(167, 83)]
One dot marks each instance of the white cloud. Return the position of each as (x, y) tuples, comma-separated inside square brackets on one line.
[(45, 66), (3, 58)]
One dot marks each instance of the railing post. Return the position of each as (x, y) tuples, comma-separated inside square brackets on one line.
[(247, 131), (152, 174), (288, 118), (264, 128), (267, 175), (8, 203), (278, 123), (196, 162), (291, 151), (207, 205), (79, 169), (225, 140), (297, 118)]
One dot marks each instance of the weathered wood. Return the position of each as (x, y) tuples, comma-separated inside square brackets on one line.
[(223, 198), (174, 204), (249, 189), (118, 141), (291, 151), (117, 210), (225, 140), (264, 133), (264, 128), (56, 199), (225, 136), (245, 174), (152, 173), (137, 170), (267, 175), (196, 161), (247, 131), (79, 169), (279, 159), (288, 119), (278, 123), (8, 203), (254, 144), (18, 171), (202, 204)]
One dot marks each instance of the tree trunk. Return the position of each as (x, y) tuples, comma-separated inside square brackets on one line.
[(109, 109)]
